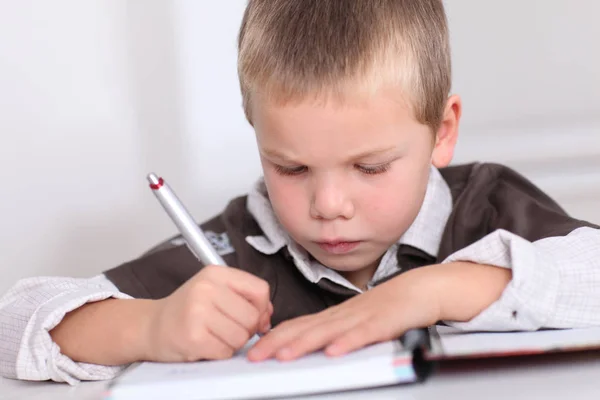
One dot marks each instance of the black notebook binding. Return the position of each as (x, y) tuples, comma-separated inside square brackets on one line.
[(418, 342)]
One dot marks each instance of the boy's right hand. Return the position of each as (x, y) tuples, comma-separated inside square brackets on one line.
[(211, 316)]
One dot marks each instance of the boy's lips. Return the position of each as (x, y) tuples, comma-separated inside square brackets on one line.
[(338, 246)]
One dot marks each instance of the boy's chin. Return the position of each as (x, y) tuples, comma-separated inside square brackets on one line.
[(347, 262)]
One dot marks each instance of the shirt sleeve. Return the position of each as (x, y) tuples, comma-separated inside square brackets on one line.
[(29, 310), (555, 281)]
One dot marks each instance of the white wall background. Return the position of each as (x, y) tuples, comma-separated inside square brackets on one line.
[(95, 94)]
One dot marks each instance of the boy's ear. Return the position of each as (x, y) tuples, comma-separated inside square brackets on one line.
[(447, 134)]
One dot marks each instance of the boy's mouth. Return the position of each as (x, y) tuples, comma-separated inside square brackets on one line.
[(338, 246)]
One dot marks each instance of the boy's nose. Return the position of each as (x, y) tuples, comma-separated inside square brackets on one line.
[(329, 201)]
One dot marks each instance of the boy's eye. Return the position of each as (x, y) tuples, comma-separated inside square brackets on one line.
[(365, 169), (290, 171), (373, 169)]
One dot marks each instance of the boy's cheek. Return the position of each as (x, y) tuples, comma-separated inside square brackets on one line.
[(278, 186), (288, 201)]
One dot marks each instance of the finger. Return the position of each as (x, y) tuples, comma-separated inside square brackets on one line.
[(278, 337), (215, 349), (228, 331), (265, 320), (265, 323), (354, 339), (316, 338), (253, 288), (237, 308), (269, 311)]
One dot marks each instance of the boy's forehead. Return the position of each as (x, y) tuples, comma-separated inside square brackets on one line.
[(315, 128), (324, 105)]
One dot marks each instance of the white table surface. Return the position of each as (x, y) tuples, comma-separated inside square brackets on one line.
[(572, 376)]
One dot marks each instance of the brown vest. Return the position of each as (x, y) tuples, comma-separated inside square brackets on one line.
[(486, 197)]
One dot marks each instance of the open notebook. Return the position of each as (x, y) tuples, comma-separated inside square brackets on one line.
[(406, 360)]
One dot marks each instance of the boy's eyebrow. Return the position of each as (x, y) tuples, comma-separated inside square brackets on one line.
[(363, 154), (369, 153), (272, 153)]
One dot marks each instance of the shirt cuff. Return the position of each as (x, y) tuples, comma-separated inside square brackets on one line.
[(39, 358), (529, 299)]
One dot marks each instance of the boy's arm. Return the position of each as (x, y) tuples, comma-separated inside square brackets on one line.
[(33, 307), (502, 282), (109, 332), (211, 316), (501, 218), (420, 297), (555, 281), (29, 310)]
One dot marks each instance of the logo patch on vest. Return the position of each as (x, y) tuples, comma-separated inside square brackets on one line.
[(220, 242)]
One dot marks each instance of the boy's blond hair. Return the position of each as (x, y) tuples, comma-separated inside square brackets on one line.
[(291, 50)]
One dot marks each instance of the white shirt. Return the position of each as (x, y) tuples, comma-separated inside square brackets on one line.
[(555, 283)]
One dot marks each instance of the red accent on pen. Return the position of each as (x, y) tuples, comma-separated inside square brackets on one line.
[(157, 186)]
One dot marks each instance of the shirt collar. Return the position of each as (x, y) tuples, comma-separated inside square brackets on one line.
[(425, 233)]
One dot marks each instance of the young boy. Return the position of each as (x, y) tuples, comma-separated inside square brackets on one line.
[(358, 231)]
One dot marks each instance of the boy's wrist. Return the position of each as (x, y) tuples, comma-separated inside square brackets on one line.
[(462, 290), (419, 287), (138, 335)]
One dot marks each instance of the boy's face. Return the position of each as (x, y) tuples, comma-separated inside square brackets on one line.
[(345, 181)]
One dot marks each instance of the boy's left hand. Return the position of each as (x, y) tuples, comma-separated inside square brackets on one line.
[(420, 297), (383, 313)]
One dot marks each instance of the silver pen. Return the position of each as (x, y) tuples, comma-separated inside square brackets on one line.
[(189, 229)]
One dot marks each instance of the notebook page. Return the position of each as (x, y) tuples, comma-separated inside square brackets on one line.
[(152, 372), (454, 343), (376, 365)]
